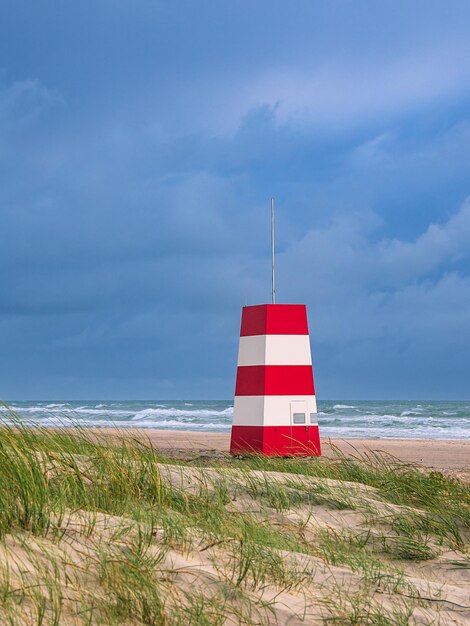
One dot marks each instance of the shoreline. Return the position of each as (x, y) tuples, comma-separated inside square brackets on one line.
[(199, 432), (445, 455)]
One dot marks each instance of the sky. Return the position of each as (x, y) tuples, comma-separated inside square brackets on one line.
[(140, 143)]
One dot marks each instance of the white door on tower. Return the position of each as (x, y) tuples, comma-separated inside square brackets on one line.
[(298, 414)]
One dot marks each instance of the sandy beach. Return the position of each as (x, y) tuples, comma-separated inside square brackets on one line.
[(450, 456)]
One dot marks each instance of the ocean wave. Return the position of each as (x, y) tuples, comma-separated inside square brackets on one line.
[(173, 412), (405, 419), (68, 411), (433, 420), (59, 422), (344, 406), (177, 425), (396, 433)]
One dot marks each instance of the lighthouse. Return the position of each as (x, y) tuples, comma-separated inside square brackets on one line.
[(275, 411)]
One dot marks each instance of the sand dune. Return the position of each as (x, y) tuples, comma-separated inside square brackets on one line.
[(187, 536)]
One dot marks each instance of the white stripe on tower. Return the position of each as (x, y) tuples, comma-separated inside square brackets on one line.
[(275, 350), (256, 410)]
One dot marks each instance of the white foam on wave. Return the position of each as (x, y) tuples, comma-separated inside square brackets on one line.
[(172, 412), (395, 433), (177, 425), (405, 418), (83, 410), (343, 406), (21, 409), (65, 411), (58, 422)]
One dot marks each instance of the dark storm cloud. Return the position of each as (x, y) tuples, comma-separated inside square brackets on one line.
[(140, 143)]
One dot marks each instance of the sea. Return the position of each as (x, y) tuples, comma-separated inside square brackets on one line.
[(400, 419)]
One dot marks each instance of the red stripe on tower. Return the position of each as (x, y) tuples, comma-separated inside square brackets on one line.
[(274, 380), (274, 319), (275, 410)]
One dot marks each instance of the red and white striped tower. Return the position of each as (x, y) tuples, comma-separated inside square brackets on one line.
[(275, 411)]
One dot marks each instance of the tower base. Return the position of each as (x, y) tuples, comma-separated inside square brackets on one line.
[(276, 440)]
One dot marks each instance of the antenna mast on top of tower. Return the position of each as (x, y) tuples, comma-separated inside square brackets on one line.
[(273, 287)]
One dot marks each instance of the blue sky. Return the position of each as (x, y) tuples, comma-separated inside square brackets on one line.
[(140, 143)]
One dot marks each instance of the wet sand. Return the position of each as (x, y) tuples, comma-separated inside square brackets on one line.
[(450, 456)]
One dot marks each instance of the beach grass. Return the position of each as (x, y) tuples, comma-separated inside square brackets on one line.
[(94, 531)]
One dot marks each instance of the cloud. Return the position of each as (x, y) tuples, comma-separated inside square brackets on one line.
[(346, 254), (136, 173), (21, 102), (384, 310), (331, 97), (441, 244)]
